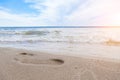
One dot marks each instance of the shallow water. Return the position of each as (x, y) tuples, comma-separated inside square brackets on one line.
[(98, 42)]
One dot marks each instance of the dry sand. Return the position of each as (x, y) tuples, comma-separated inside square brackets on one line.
[(18, 64)]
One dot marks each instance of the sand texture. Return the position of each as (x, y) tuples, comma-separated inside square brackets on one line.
[(18, 64)]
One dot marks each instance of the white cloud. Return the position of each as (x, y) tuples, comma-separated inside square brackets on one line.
[(66, 12), (9, 19), (57, 12), (99, 12)]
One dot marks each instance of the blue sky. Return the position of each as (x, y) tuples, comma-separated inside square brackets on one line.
[(59, 13), (17, 7)]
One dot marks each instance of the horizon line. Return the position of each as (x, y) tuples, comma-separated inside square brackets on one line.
[(60, 26)]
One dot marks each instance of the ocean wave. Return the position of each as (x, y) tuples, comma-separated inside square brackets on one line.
[(35, 32), (7, 32), (70, 39)]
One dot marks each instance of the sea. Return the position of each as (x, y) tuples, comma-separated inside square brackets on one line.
[(58, 38)]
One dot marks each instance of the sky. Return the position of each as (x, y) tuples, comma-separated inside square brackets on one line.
[(59, 13)]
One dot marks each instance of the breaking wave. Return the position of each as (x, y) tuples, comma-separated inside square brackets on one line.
[(35, 33)]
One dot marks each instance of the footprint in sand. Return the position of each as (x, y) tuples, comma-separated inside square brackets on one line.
[(27, 54), (28, 58)]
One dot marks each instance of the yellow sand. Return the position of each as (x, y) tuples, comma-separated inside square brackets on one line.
[(18, 64)]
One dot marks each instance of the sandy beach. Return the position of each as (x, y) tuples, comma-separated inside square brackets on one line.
[(19, 64)]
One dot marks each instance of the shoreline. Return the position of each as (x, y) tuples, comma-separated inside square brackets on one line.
[(95, 56)]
